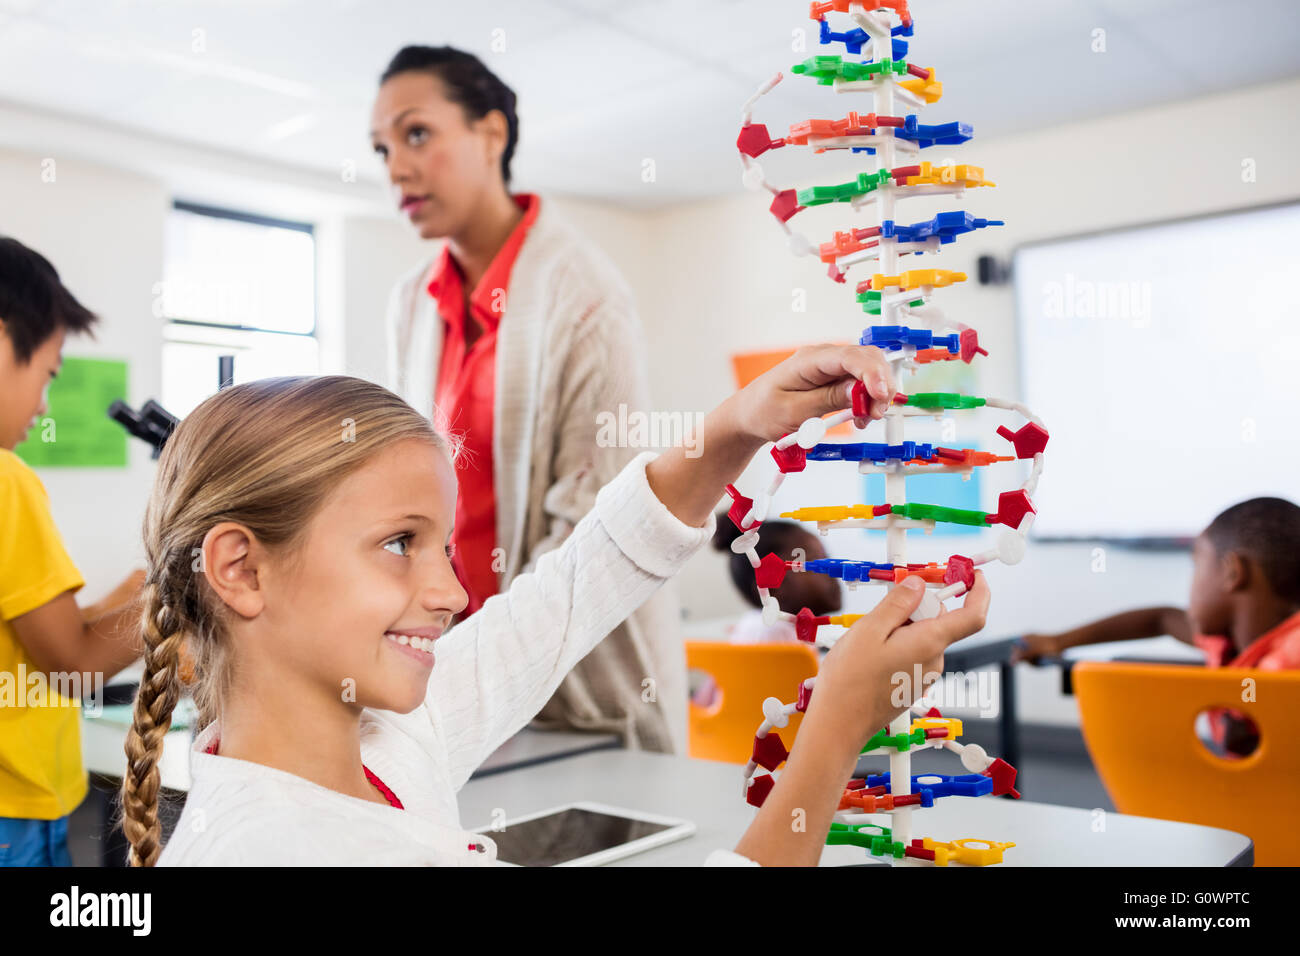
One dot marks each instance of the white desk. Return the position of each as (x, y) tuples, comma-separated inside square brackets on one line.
[(709, 794)]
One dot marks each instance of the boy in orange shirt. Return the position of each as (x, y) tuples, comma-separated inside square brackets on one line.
[(46, 641), (1244, 608)]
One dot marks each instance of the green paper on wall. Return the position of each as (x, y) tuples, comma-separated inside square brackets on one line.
[(76, 431)]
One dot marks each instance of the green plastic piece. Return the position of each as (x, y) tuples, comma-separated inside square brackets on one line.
[(902, 741), (943, 400), (871, 302), (827, 69), (843, 192), (919, 512), (850, 834)]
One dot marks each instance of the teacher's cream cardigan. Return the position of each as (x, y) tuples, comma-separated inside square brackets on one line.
[(570, 346)]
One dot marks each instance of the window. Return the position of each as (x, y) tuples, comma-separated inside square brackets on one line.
[(234, 284)]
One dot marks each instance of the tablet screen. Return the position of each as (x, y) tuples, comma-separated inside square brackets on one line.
[(567, 835)]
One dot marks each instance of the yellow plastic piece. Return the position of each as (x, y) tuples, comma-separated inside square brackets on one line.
[(958, 851), (845, 620), (915, 278), (952, 723), (949, 174), (929, 90), (829, 513)]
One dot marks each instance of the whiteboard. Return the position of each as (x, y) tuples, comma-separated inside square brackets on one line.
[(1165, 362)]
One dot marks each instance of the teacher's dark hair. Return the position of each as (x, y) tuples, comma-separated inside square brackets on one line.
[(471, 84)]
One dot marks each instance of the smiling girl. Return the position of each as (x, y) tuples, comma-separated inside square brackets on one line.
[(297, 540)]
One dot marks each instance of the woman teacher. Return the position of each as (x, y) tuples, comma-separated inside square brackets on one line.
[(517, 335)]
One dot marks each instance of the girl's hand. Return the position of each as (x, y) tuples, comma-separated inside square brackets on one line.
[(812, 382), (868, 677)]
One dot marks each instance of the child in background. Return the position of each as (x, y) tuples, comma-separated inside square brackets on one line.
[(1243, 611), (42, 630), (322, 510), (820, 593)]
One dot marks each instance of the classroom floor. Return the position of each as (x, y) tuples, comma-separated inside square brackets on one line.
[(1054, 768)]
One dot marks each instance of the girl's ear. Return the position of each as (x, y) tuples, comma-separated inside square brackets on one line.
[(229, 562)]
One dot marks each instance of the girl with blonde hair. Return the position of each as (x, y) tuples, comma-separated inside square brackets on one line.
[(297, 544)]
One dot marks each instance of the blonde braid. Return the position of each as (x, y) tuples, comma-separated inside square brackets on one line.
[(160, 689)]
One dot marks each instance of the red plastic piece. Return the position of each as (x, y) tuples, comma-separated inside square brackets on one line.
[(834, 272), (880, 574), (805, 626), (786, 204), (740, 508), (759, 788), (900, 398), (861, 402), (970, 345), (899, 173), (932, 733), (933, 712), (1029, 440), (770, 571), (754, 140), (769, 751), (878, 510), (791, 458), (920, 71), (918, 851), (960, 568), (857, 783), (1012, 508), (1004, 778), (805, 697)]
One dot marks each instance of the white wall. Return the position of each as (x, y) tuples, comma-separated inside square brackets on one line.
[(710, 278), (101, 229)]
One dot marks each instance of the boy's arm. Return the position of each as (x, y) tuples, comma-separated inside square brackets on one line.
[(59, 639), (1126, 626)]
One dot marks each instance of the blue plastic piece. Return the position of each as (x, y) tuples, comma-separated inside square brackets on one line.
[(895, 337), (946, 225), (942, 134), (845, 569), (950, 785), (854, 40), (870, 451)]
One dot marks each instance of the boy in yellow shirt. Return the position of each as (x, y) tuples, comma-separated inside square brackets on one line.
[(47, 645)]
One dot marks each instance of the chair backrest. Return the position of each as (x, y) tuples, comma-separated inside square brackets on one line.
[(1139, 725), (746, 674)]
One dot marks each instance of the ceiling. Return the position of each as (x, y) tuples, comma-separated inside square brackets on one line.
[(604, 85)]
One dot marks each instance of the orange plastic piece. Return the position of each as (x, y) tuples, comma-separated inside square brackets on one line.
[(855, 124), (1139, 724), (931, 572), (746, 675), (820, 8), (845, 243), (935, 355), (973, 459)]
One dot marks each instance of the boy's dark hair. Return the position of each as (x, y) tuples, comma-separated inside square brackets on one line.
[(1268, 531), (471, 84), (34, 304), (781, 537)]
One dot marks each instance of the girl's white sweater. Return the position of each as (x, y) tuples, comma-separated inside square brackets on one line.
[(493, 672)]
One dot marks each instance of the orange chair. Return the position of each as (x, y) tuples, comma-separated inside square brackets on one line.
[(746, 675), (1139, 725)]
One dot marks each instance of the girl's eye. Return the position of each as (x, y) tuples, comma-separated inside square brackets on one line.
[(381, 152), (417, 135), (401, 542)]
